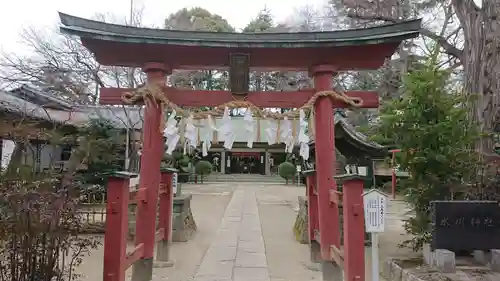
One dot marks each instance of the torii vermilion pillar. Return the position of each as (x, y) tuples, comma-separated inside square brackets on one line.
[(325, 159), (149, 175), (323, 54)]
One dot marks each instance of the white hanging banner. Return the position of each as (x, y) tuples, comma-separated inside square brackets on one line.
[(189, 135), (286, 135), (303, 137), (227, 130), (249, 126), (271, 131), (206, 138), (171, 132), (276, 131)]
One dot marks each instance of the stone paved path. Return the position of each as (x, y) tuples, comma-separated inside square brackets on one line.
[(245, 233), (238, 252)]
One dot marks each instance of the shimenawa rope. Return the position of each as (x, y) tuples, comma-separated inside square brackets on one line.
[(152, 94)]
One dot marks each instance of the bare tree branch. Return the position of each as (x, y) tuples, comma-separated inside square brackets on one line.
[(449, 48)]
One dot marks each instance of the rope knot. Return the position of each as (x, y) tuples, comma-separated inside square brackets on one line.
[(152, 95), (352, 102)]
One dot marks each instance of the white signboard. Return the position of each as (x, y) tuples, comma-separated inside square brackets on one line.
[(133, 184), (353, 169), (375, 206), (174, 183), (299, 168)]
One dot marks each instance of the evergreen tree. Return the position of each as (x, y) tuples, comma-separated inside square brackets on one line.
[(103, 152), (430, 125)]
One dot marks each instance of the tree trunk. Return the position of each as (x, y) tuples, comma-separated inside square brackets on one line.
[(1, 154), (490, 104), (481, 65), (77, 158)]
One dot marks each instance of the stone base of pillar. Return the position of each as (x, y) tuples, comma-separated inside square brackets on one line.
[(183, 224), (163, 254), (331, 271), (445, 261), (495, 260), (142, 270), (315, 251)]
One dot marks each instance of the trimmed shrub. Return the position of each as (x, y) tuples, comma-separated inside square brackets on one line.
[(287, 171), (203, 168)]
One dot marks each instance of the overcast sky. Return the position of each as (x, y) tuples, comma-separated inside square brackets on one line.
[(18, 14)]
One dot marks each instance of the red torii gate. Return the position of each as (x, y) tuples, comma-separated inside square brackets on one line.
[(393, 172), (322, 54)]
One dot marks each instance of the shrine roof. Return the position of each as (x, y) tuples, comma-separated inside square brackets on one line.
[(11, 103), (128, 34), (122, 45), (355, 139), (44, 98), (358, 139)]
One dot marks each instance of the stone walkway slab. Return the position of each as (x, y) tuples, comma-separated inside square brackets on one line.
[(238, 251)]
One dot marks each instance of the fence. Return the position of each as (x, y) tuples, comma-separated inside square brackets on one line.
[(92, 210), (324, 231), (119, 196)]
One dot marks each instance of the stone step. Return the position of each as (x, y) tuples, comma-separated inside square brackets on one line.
[(243, 178)]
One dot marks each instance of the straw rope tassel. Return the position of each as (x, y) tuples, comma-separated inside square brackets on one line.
[(198, 128), (312, 128), (258, 129), (294, 129), (278, 131), (182, 130), (215, 136)]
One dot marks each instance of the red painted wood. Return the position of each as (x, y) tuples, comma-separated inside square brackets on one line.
[(166, 205), (156, 66), (152, 151), (359, 57), (160, 233), (135, 255), (354, 229), (393, 173), (116, 228), (325, 166), (198, 98), (312, 207)]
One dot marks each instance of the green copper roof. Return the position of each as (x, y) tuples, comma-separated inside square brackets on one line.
[(119, 33), (356, 138)]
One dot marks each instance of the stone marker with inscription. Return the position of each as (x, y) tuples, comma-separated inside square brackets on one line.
[(465, 225)]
